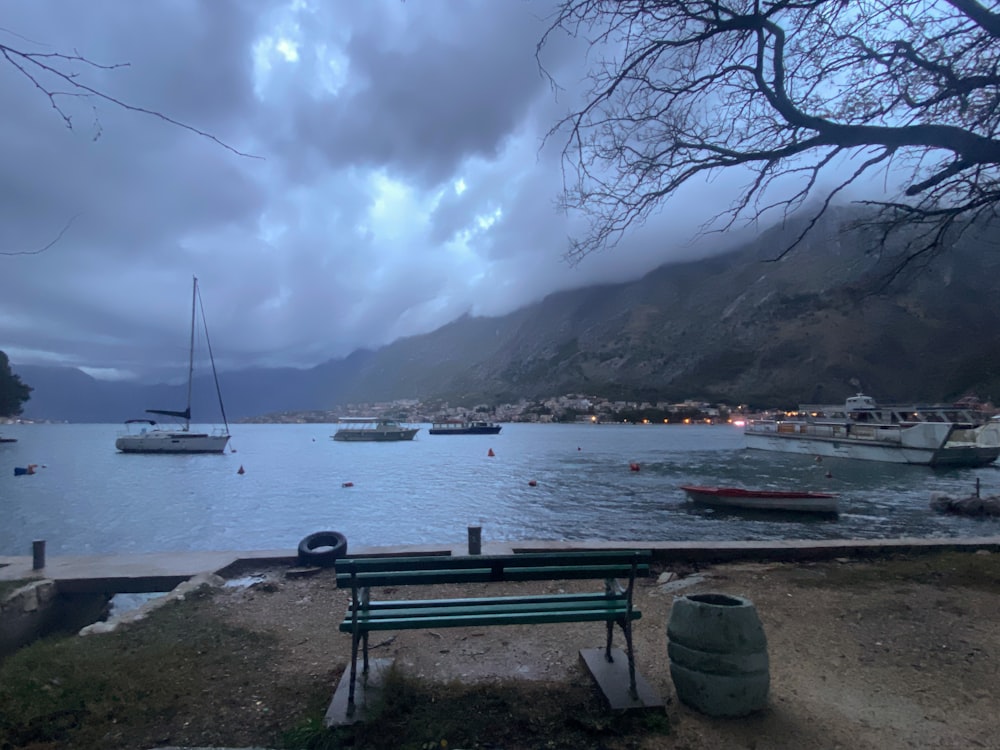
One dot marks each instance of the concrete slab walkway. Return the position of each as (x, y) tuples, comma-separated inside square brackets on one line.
[(162, 571)]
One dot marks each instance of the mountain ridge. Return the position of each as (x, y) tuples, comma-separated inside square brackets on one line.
[(748, 325)]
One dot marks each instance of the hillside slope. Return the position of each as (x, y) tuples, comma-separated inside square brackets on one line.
[(816, 325)]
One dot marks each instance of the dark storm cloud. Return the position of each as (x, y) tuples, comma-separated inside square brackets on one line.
[(426, 107), (401, 182)]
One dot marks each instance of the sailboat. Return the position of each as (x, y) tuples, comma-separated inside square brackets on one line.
[(145, 436)]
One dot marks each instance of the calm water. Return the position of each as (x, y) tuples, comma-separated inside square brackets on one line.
[(90, 499)]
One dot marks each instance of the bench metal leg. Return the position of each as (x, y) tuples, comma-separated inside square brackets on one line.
[(627, 629), (611, 635), (354, 674), (365, 650)]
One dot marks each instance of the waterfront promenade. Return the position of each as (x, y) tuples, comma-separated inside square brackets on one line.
[(162, 571), (873, 645)]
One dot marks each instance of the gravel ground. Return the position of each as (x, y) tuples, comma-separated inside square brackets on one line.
[(879, 654)]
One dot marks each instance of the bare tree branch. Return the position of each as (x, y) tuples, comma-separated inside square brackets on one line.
[(34, 65), (57, 76), (45, 247), (784, 91)]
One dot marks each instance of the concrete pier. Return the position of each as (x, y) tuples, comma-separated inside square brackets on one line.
[(162, 571)]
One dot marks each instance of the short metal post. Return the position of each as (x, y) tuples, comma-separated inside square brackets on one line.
[(38, 554), (475, 540)]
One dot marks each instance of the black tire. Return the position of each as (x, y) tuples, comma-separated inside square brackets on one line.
[(323, 548)]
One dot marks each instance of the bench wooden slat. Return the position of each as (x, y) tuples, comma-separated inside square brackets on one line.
[(519, 573), (486, 600), (485, 575), (496, 607), (502, 618), (415, 577)]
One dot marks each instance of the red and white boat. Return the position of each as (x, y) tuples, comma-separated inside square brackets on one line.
[(783, 500)]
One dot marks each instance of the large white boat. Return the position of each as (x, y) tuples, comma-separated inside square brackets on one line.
[(938, 435), (146, 436)]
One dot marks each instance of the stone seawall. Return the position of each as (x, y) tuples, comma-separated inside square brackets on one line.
[(37, 609)]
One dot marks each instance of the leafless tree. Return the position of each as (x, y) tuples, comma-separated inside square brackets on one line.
[(786, 90), (60, 77)]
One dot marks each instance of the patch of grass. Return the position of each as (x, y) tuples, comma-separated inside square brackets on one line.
[(311, 734), (412, 714), (945, 569), (185, 677), (174, 677)]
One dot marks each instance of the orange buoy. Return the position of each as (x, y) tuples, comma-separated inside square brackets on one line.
[(490, 452), (347, 484), (241, 470), (633, 466), (532, 483)]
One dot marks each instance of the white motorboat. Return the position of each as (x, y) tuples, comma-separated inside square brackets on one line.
[(146, 436), (939, 435)]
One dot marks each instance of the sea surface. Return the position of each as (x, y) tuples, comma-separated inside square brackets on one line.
[(86, 498)]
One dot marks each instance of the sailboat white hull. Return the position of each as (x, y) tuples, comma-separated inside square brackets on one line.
[(163, 441)]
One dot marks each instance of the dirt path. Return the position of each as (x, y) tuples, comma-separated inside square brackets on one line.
[(880, 655)]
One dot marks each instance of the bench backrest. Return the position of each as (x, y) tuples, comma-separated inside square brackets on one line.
[(364, 572)]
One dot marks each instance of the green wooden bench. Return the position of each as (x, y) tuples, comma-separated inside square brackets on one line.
[(611, 605)]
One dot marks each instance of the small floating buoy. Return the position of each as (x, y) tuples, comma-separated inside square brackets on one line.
[(579, 448), (829, 475), (490, 452), (532, 483), (347, 484), (633, 466), (819, 459), (241, 470)]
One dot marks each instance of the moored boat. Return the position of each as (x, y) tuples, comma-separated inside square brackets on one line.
[(373, 429), (781, 500), (940, 436), (146, 436), (463, 427)]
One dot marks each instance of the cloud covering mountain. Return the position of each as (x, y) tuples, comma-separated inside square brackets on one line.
[(398, 178)]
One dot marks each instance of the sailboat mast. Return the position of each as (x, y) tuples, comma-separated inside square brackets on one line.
[(194, 297)]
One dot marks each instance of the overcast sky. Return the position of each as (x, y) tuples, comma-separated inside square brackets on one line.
[(401, 182)]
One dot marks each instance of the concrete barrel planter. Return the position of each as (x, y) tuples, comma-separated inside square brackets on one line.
[(718, 654)]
